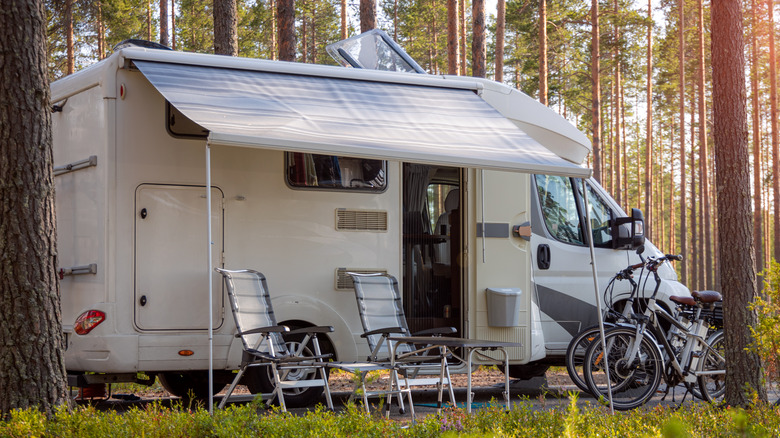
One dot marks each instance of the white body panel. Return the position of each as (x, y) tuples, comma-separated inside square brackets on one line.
[(261, 223)]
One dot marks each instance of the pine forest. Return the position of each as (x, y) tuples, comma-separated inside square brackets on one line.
[(635, 77)]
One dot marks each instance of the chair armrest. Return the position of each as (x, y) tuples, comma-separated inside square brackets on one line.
[(436, 331), (270, 329), (311, 330), (384, 331)]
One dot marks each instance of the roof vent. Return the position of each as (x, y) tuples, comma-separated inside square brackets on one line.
[(132, 42)]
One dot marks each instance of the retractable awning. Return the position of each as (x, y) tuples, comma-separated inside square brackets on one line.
[(340, 116)]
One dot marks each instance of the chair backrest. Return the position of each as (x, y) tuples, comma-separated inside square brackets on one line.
[(379, 304), (251, 305)]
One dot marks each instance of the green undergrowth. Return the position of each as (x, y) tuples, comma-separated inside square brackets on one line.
[(251, 420)]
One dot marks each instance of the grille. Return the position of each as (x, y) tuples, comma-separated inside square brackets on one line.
[(361, 220), (344, 281)]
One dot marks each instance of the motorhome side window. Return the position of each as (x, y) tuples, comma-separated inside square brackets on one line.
[(333, 172), (559, 208), (599, 218)]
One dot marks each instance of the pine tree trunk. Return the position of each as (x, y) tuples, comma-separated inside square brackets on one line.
[(69, 37), (173, 24), (543, 52), (344, 20), (463, 49), (683, 198), (149, 20), (649, 217), (286, 17), (478, 43), (500, 31), (31, 357), (164, 23), (706, 245), (453, 54), (274, 30), (305, 47), (693, 259), (757, 186), (225, 27), (774, 126), (595, 95), (367, 15), (736, 263), (672, 212), (100, 31)]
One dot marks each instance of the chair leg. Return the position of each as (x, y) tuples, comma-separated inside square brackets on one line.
[(232, 386), (449, 384), (278, 387), (327, 388), (397, 385)]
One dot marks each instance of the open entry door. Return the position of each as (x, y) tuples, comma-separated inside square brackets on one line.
[(432, 246)]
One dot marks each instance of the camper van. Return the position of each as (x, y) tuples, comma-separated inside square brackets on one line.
[(466, 190)]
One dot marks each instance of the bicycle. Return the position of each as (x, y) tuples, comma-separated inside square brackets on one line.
[(579, 344), (635, 359)]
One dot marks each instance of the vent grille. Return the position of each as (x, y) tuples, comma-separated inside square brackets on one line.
[(344, 281), (361, 220)]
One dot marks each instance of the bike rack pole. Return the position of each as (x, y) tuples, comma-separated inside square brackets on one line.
[(598, 298)]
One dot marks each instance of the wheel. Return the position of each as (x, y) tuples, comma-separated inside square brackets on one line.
[(189, 384), (260, 379), (633, 380), (712, 387), (576, 351)]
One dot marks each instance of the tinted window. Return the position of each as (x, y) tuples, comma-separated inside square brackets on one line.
[(333, 172)]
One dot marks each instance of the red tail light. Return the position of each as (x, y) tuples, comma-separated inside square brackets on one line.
[(88, 320)]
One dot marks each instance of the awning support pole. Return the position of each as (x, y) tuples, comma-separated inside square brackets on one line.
[(596, 290), (208, 276)]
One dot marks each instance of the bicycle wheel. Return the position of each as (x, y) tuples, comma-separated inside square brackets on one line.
[(713, 386), (633, 380), (576, 352)]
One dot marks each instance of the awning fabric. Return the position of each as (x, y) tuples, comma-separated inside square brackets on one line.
[(337, 116)]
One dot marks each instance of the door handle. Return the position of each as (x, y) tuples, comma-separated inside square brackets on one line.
[(543, 256)]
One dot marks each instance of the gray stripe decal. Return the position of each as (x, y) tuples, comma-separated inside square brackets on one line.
[(563, 307), (493, 230)]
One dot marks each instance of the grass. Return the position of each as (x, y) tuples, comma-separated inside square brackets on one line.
[(252, 420)]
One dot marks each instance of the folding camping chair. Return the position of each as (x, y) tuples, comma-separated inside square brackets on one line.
[(263, 338), (382, 315)]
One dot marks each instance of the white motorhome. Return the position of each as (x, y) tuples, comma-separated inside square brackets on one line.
[(466, 190)]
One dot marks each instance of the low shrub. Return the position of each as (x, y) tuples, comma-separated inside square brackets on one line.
[(525, 420)]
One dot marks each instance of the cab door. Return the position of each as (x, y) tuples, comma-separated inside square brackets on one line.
[(563, 276)]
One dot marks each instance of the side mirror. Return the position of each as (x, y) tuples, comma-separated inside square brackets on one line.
[(629, 232)]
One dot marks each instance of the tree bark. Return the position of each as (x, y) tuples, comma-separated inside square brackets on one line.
[(706, 244), (595, 75), (774, 126), (757, 189), (478, 43), (69, 36), (225, 28), (367, 15), (149, 20), (543, 52), (683, 191), (32, 366), (737, 266), (274, 30), (344, 19), (286, 17), (164, 23), (453, 54), (649, 127), (500, 33), (463, 50), (173, 24)]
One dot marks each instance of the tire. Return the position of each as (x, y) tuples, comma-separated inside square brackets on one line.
[(712, 387), (260, 379), (189, 384), (633, 383), (576, 352)]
